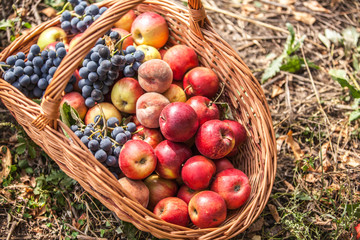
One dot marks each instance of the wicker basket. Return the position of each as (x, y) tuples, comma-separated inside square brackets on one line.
[(190, 26)]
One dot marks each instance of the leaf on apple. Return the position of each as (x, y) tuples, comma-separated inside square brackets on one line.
[(69, 115)]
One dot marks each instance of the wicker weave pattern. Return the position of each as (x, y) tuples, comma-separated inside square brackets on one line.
[(242, 92)]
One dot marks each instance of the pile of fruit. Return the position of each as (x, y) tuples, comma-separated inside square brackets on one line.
[(146, 112)]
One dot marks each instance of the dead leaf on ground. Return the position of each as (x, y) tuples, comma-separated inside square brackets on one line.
[(287, 2), (310, 178), (49, 12), (5, 160), (279, 142), (334, 186), (257, 226), (349, 160), (256, 237), (289, 185), (274, 212), (315, 6), (22, 12), (295, 147), (304, 17), (276, 91), (326, 164)]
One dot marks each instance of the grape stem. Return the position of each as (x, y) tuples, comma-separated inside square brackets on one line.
[(3, 65), (218, 96), (64, 8), (121, 41), (138, 130)]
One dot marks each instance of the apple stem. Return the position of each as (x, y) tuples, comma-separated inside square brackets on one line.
[(64, 8), (218, 96), (121, 41)]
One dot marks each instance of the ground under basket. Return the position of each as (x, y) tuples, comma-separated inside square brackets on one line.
[(190, 26)]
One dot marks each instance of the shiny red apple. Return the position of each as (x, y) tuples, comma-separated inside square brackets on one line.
[(173, 210), (205, 109)]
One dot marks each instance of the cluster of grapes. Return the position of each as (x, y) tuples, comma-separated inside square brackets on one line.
[(106, 149), (83, 17), (101, 67), (33, 76)]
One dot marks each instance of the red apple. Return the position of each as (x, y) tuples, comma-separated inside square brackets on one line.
[(77, 101), (207, 209), (222, 164), (240, 135), (150, 135), (159, 188), (173, 210), (50, 35), (215, 139), (357, 229), (74, 41), (137, 159), (201, 81), (126, 21), (128, 41), (233, 185), (205, 109), (150, 28), (197, 172), (108, 109), (170, 157), (181, 58), (178, 122), (186, 193), (125, 94)]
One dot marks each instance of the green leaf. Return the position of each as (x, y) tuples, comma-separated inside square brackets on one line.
[(108, 224), (23, 164), (333, 36), (273, 69), (29, 170), (324, 40), (32, 151), (102, 232), (21, 148), (38, 101), (356, 64), (64, 114), (351, 37), (302, 196), (118, 230), (340, 76), (26, 24), (26, 215), (5, 24), (292, 64), (353, 209), (354, 115)]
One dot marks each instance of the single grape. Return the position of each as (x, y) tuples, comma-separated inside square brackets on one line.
[(95, 57), (118, 60), (74, 2), (66, 15), (44, 54), (9, 77), (17, 85), (98, 85), (81, 83), (87, 82), (86, 91), (84, 72), (89, 102), (96, 94), (92, 66), (79, 9), (116, 131), (37, 61), (11, 60), (34, 79), (102, 10), (111, 161), (85, 62), (130, 49), (101, 71), (106, 65), (81, 26), (136, 65), (96, 17), (128, 135), (52, 54), (88, 20), (61, 52), (131, 127), (29, 63), (129, 71), (83, 3), (105, 144), (139, 55), (88, 130), (37, 70), (74, 22), (20, 55), (93, 77), (117, 151), (85, 140), (74, 128), (129, 58), (101, 155), (20, 63), (99, 120), (18, 71), (121, 138), (30, 56), (94, 10), (79, 134), (114, 35), (52, 71), (93, 145), (49, 63), (37, 92), (104, 52), (35, 49), (42, 83), (57, 61), (113, 122), (24, 80), (105, 90), (59, 45), (100, 41), (66, 25)]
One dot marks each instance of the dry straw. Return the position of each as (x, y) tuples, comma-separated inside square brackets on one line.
[(242, 91)]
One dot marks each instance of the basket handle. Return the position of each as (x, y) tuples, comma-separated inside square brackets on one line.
[(49, 113), (198, 18), (51, 100)]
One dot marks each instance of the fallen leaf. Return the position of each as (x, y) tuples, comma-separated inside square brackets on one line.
[(315, 6), (310, 178), (274, 212), (276, 91), (257, 226), (5, 161), (49, 12), (22, 12), (334, 186), (327, 165), (280, 141), (256, 237), (295, 147), (287, 2), (349, 160), (304, 17), (289, 185)]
